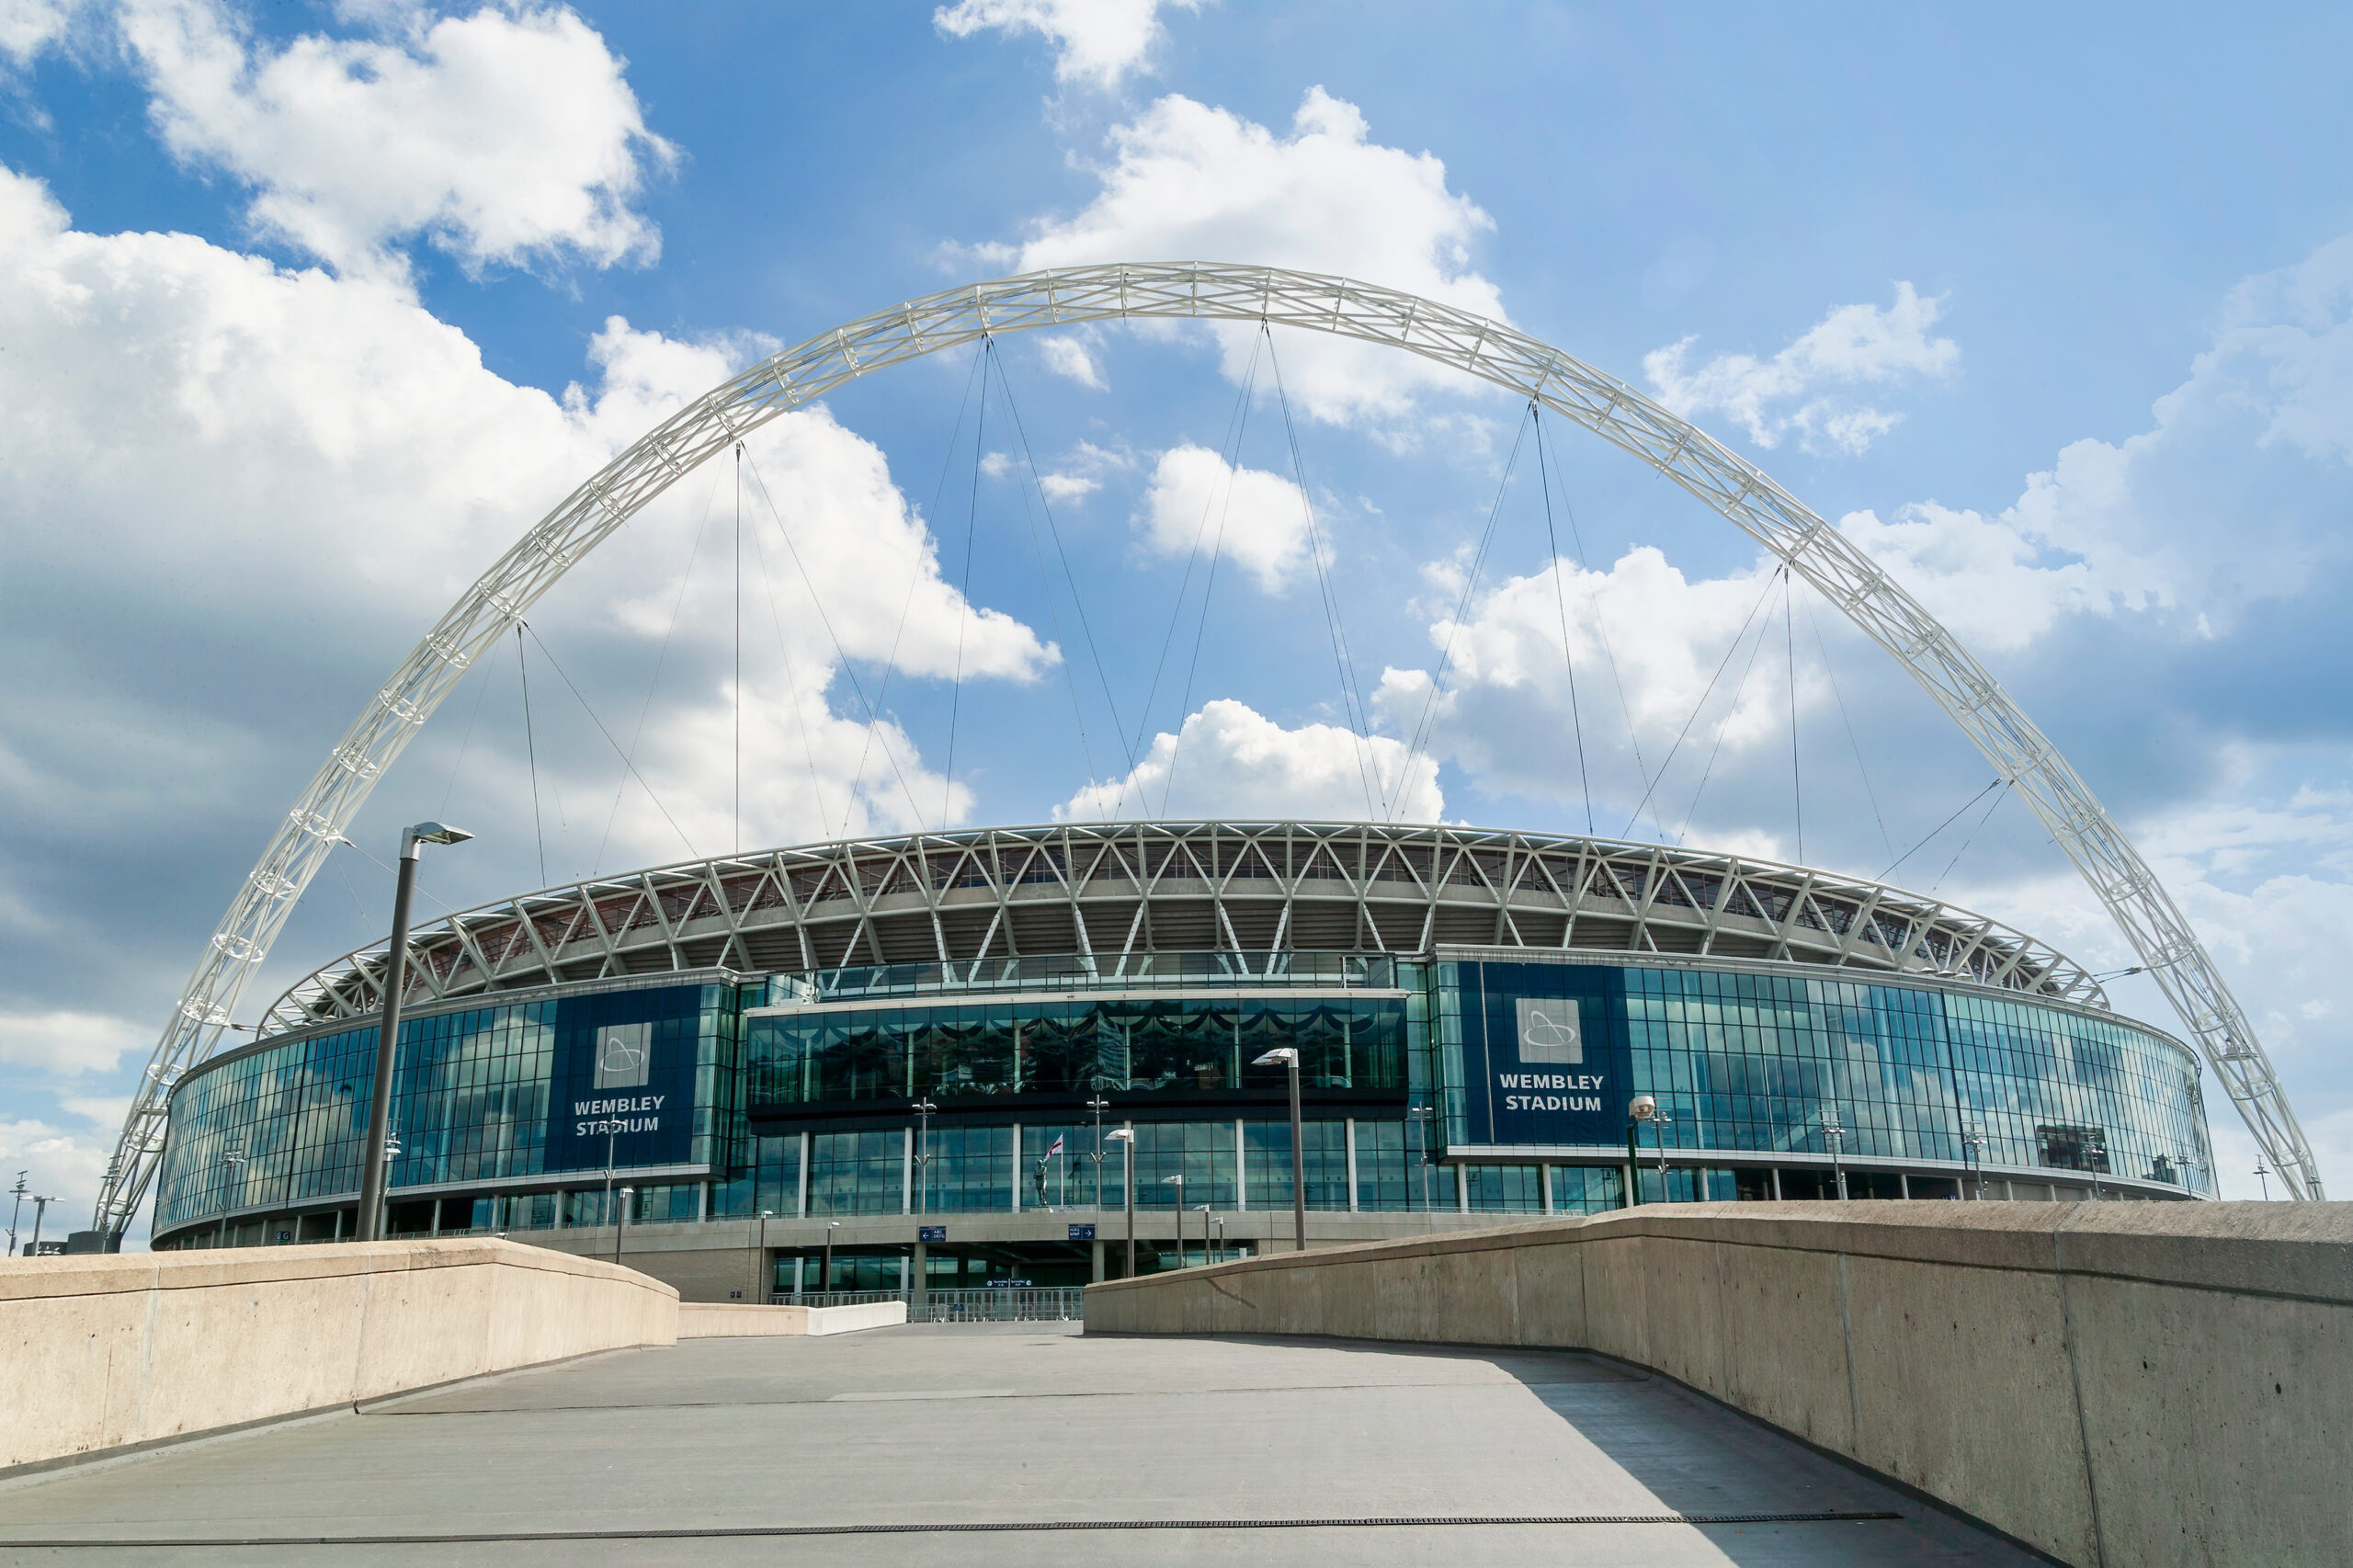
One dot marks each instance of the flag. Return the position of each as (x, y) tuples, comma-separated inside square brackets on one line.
[(1054, 1148)]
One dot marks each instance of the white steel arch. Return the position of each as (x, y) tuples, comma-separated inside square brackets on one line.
[(1488, 350)]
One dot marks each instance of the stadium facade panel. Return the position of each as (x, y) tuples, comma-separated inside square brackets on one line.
[(1473, 1011)]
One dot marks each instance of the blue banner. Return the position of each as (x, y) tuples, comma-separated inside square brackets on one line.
[(623, 1086), (1544, 1054)]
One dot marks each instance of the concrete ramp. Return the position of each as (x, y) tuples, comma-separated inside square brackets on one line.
[(2120, 1384)]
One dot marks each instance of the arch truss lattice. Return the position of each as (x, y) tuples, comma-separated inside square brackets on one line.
[(2021, 754)]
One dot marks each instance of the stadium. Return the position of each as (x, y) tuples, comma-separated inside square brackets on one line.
[(806, 1056)]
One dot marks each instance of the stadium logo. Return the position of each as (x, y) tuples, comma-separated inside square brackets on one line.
[(624, 1056), (1550, 1030)]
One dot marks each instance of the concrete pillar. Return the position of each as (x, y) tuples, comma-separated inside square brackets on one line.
[(1098, 1263)]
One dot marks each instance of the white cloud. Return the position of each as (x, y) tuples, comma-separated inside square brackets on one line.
[(66, 1043), (1800, 388), (58, 1164), (1069, 355), (1229, 761), (506, 137), (1256, 519), (1191, 183), (200, 440), (28, 27), (1095, 42)]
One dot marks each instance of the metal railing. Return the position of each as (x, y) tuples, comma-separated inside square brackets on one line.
[(1037, 1305), (1064, 1303), (835, 1298)]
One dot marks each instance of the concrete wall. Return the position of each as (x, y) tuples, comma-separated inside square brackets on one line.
[(2115, 1384), (737, 1319), (101, 1351)]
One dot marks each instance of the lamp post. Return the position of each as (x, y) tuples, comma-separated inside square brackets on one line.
[(2263, 1175), (1179, 1182), (919, 1285), (761, 1273), (17, 1192), (2095, 1155), (1098, 1105), (826, 1282), (40, 1207), (1220, 1222), (1422, 1115), (380, 1099), (620, 1219), (1289, 1056), (1835, 1136), (1972, 1143), (1125, 1137), (1639, 1110)]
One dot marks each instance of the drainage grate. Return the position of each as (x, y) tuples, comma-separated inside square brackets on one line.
[(980, 1527)]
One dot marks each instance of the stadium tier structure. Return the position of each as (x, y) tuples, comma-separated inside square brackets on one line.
[(743, 1043)]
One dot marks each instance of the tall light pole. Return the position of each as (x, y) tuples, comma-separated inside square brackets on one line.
[(380, 1100), (17, 1192), (1179, 1179), (2095, 1154), (1972, 1143), (762, 1275), (620, 1219), (1835, 1136), (827, 1281), (1639, 1110), (1289, 1056), (1125, 1137), (919, 1279), (40, 1207), (1422, 1115), (1204, 1209), (1098, 1105)]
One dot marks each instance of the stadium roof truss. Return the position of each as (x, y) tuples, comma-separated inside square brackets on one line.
[(1490, 350), (1097, 894)]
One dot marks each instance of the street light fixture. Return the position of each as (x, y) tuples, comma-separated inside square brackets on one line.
[(1972, 1143), (1423, 1115), (1098, 1105), (1125, 1137), (1179, 1181), (17, 1192), (620, 1219), (1287, 1056), (2095, 1155), (1835, 1136), (40, 1207), (826, 1282), (1203, 1209), (1639, 1110), (763, 1273), (919, 1280), (379, 1101)]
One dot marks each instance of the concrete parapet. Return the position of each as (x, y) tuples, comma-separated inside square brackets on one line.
[(107, 1351), (2111, 1384), (745, 1320)]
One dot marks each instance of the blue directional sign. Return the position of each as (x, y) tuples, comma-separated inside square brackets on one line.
[(1010, 1285), (1082, 1233), (931, 1233)]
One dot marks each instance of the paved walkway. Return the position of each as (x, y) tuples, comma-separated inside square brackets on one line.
[(985, 1438)]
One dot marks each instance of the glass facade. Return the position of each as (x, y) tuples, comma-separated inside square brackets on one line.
[(478, 1092), (793, 1096)]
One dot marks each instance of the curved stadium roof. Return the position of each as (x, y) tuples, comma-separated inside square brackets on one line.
[(1100, 891)]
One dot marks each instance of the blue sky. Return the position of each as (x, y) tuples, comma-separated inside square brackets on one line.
[(312, 309)]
